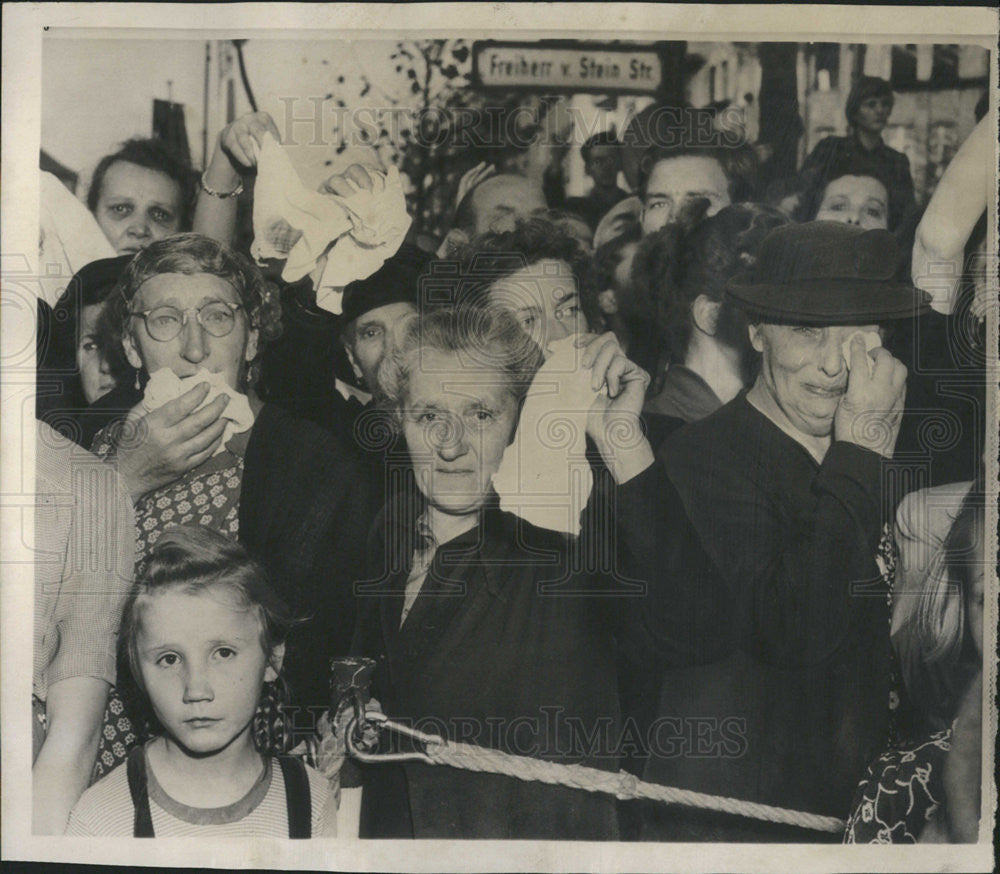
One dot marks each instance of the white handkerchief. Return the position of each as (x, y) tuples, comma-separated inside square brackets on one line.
[(872, 341), (164, 385), (544, 476), (299, 225), (69, 238)]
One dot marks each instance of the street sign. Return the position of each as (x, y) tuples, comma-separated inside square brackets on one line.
[(566, 66)]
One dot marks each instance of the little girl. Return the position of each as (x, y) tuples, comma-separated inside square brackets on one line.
[(202, 633), (928, 788)]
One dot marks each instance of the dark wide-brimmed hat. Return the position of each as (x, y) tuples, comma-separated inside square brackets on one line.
[(826, 273), (93, 282), (396, 281)]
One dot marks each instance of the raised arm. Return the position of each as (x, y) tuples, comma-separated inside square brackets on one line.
[(235, 153), (959, 200), (94, 580), (673, 607)]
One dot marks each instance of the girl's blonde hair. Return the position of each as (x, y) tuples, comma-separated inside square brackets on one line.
[(937, 655), (194, 559)]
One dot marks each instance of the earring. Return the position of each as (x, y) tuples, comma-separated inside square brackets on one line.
[(137, 386)]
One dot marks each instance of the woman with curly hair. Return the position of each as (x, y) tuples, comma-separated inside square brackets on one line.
[(684, 269), (863, 150), (196, 314), (536, 272)]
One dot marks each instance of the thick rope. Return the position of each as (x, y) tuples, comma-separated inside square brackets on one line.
[(622, 785)]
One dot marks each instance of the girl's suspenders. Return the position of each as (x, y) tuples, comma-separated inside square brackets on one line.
[(142, 823), (297, 795)]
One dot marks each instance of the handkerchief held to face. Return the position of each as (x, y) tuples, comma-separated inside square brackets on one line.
[(164, 385), (544, 476), (872, 341), (299, 225)]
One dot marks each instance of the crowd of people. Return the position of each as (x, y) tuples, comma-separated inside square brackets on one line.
[(685, 480)]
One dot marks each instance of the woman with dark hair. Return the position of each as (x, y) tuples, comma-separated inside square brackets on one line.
[(536, 272), (850, 195), (76, 366), (704, 334), (192, 316), (141, 193), (611, 292), (485, 626), (863, 150)]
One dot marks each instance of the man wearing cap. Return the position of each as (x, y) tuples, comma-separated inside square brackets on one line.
[(375, 311), (784, 485)]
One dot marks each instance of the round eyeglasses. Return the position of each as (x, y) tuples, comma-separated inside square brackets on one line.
[(218, 317)]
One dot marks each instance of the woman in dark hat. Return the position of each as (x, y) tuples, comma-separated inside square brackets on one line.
[(76, 365), (784, 485), (864, 153)]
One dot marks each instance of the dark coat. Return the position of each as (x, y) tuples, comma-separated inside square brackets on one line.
[(306, 505), (805, 686), (511, 645), (944, 421)]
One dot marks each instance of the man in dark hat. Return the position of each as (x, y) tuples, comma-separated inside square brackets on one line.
[(864, 153), (784, 485), (309, 372), (375, 311)]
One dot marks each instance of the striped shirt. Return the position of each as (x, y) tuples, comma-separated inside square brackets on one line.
[(106, 809)]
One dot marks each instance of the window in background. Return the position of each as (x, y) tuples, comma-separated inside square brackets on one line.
[(827, 62)]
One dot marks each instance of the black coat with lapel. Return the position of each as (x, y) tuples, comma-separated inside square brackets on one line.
[(514, 644)]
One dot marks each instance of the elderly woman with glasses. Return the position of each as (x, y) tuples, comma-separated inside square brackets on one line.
[(286, 488)]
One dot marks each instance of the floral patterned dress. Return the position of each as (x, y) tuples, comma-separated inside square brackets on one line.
[(900, 793), (208, 495)]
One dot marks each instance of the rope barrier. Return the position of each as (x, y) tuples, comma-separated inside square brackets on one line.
[(621, 784)]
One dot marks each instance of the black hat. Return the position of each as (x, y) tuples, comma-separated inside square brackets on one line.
[(93, 282), (396, 281), (826, 273)]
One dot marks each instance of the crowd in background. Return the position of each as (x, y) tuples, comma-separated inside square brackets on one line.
[(781, 420)]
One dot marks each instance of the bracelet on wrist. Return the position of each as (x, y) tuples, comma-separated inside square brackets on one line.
[(222, 195)]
